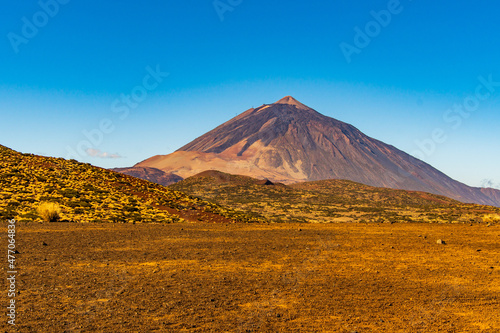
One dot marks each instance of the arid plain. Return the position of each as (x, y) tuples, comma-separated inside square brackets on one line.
[(230, 277)]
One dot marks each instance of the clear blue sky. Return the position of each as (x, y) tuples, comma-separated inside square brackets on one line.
[(66, 69)]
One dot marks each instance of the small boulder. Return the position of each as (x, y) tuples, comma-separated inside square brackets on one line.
[(440, 241)]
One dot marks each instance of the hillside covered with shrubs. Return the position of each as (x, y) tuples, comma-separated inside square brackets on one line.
[(36, 188), (333, 200)]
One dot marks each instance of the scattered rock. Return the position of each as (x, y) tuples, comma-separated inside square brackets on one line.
[(44, 244), (440, 241)]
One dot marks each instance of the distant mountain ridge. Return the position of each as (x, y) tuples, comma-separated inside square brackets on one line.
[(289, 142)]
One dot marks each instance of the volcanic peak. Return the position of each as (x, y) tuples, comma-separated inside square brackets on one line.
[(289, 142), (292, 101)]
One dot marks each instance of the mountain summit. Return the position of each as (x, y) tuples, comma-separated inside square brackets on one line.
[(292, 101), (289, 142)]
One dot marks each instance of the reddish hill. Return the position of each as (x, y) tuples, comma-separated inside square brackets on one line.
[(152, 174), (217, 177)]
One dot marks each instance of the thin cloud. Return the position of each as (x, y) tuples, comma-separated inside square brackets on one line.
[(490, 183), (101, 154)]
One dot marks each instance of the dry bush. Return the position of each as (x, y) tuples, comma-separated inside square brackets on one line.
[(488, 218), (49, 211)]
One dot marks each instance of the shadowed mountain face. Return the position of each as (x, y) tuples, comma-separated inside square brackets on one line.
[(289, 142), (151, 174)]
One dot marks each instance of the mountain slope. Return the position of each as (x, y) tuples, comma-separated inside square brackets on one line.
[(289, 142), (90, 194), (150, 174), (331, 201)]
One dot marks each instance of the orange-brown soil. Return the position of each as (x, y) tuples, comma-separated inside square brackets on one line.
[(197, 277)]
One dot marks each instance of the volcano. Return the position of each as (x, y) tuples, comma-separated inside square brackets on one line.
[(290, 142)]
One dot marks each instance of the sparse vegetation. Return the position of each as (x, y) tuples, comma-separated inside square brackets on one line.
[(332, 201), (489, 218), (89, 194), (85, 193)]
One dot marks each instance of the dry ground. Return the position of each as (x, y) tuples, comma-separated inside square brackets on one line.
[(256, 278)]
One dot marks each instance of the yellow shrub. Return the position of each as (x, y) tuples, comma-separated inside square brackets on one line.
[(491, 218), (49, 211)]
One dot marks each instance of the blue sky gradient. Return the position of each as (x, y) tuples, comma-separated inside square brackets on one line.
[(71, 72)]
